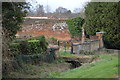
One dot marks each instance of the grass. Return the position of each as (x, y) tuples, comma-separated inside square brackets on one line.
[(105, 68), (67, 54)]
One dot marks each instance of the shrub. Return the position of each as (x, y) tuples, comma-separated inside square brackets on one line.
[(14, 48), (30, 47), (51, 57), (54, 40), (24, 48), (18, 40), (35, 38)]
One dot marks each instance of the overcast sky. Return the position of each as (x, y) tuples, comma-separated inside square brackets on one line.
[(69, 4)]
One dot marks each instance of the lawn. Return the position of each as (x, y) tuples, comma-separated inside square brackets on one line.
[(67, 54), (106, 67)]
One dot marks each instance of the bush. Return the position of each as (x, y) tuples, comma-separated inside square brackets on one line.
[(51, 57), (14, 48), (43, 44), (24, 48), (52, 40), (18, 40), (30, 47), (35, 38)]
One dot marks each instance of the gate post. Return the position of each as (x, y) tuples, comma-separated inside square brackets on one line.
[(71, 47), (58, 43), (65, 46)]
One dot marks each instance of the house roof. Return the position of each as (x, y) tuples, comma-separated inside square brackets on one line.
[(36, 17)]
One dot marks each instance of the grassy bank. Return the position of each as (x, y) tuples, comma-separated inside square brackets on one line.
[(106, 67)]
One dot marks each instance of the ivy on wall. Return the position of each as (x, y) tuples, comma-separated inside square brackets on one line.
[(75, 26)]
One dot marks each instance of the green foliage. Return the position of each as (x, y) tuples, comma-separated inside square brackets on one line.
[(18, 40), (12, 17), (53, 39), (30, 59), (51, 57), (75, 26), (43, 44), (35, 38), (29, 47), (14, 48), (103, 16), (24, 48), (49, 39)]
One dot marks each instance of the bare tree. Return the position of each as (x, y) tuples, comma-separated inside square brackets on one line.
[(77, 10), (47, 8), (40, 10), (69, 12), (31, 13), (61, 10), (82, 13)]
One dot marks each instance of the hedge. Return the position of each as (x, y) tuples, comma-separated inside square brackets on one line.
[(29, 47)]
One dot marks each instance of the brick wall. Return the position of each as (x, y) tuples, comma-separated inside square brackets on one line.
[(86, 46), (93, 37)]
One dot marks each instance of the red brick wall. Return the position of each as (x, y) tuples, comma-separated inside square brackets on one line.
[(94, 37)]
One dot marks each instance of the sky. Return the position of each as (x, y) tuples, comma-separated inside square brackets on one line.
[(69, 4)]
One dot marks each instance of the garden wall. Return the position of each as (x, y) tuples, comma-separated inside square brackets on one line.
[(89, 46)]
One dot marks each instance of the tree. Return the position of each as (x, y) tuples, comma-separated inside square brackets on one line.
[(12, 17), (69, 12), (61, 10), (77, 10), (40, 10), (48, 9), (104, 17), (75, 26)]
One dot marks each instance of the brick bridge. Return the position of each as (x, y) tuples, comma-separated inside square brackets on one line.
[(78, 61)]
